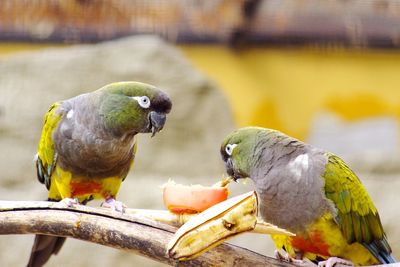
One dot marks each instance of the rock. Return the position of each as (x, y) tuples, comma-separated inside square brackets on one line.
[(187, 150)]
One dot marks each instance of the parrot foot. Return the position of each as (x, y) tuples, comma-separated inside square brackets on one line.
[(69, 202), (286, 258), (334, 260), (114, 205)]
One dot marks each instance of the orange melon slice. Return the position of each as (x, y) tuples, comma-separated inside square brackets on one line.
[(193, 198)]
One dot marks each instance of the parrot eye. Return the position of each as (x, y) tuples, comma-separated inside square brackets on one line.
[(143, 101), (229, 148)]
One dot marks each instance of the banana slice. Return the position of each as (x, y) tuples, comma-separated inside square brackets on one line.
[(218, 223)]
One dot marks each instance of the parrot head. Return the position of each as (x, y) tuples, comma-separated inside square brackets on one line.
[(237, 150), (133, 107), (243, 151)]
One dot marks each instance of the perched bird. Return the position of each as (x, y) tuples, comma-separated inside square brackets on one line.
[(88, 145), (311, 193)]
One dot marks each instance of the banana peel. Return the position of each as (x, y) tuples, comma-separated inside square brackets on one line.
[(217, 224)]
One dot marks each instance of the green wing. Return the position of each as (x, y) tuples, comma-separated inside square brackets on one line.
[(357, 216), (47, 156)]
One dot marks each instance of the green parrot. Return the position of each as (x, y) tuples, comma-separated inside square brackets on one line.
[(88, 145), (311, 193)]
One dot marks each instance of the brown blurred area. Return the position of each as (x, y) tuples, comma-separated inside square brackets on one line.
[(97, 20), (354, 22)]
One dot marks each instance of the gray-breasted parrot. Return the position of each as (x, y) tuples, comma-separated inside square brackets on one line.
[(88, 145), (311, 193)]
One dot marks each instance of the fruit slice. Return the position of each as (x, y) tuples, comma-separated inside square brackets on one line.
[(193, 198)]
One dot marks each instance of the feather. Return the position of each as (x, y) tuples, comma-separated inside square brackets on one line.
[(359, 220)]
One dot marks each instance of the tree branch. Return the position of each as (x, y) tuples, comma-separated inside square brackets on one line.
[(130, 232)]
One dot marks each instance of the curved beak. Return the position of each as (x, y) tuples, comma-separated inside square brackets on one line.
[(157, 121), (230, 170), (229, 167)]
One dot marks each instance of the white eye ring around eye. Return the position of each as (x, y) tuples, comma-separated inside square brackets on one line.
[(143, 101), (229, 148)]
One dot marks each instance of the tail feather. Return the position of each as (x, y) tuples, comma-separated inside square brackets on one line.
[(43, 247), (381, 250)]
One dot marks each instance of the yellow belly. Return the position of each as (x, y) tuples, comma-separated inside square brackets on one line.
[(64, 185), (325, 239)]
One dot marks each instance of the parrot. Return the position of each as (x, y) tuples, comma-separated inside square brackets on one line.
[(88, 144), (310, 192)]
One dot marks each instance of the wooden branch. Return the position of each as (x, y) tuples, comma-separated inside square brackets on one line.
[(129, 232)]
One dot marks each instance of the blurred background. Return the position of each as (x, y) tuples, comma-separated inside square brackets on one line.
[(326, 72)]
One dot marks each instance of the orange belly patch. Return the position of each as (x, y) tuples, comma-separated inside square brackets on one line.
[(313, 244), (82, 188)]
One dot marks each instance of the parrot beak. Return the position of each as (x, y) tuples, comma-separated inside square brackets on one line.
[(218, 223), (231, 170), (157, 121)]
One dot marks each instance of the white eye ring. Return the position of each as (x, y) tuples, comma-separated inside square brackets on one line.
[(229, 148), (143, 101)]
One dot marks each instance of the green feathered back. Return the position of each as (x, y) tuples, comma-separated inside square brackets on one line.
[(357, 216)]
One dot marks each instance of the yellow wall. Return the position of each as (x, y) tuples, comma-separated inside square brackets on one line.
[(285, 88), (11, 48), (282, 88)]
